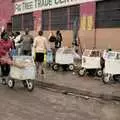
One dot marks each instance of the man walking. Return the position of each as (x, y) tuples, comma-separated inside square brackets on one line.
[(40, 45)]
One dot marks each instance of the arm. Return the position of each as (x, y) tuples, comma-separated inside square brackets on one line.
[(61, 39), (21, 39), (31, 40), (12, 44), (34, 43), (47, 46)]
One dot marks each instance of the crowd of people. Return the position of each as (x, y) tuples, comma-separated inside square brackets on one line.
[(16, 44)]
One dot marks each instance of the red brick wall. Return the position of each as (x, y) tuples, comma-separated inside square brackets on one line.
[(6, 11), (37, 20)]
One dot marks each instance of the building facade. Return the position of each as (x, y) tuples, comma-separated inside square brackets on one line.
[(96, 21), (6, 11)]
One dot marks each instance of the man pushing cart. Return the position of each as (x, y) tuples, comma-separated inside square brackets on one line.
[(17, 68)]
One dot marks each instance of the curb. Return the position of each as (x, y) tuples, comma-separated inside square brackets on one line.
[(74, 91)]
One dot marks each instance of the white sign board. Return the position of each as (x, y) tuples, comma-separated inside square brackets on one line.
[(26, 6)]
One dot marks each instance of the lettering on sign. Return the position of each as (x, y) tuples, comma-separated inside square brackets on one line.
[(34, 5)]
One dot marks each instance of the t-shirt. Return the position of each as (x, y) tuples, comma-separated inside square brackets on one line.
[(40, 44), (17, 39), (27, 41), (5, 46)]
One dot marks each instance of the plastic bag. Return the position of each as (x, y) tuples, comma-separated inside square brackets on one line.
[(49, 57)]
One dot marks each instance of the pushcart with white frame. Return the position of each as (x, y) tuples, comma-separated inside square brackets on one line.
[(25, 74), (112, 67), (64, 56), (91, 63)]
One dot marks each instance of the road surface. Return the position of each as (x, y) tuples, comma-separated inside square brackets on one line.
[(19, 104)]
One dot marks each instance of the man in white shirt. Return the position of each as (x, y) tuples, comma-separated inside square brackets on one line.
[(40, 45)]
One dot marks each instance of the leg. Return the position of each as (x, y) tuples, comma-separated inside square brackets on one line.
[(25, 52), (2, 69), (5, 69), (42, 70), (37, 70)]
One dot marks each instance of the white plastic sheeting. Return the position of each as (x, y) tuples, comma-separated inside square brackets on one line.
[(28, 72)]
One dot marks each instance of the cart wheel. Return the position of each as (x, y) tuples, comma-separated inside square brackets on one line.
[(82, 72), (71, 67), (11, 83), (107, 78), (55, 67), (99, 73), (24, 83), (30, 85), (3, 81)]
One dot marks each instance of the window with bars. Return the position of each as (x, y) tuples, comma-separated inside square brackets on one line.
[(74, 15), (17, 22), (108, 14), (28, 21), (21, 22), (45, 20), (59, 19)]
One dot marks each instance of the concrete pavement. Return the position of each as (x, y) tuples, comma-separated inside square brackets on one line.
[(66, 82), (19, 104)]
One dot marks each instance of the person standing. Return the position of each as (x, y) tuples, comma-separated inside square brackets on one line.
[(17, 44), (27, 41), (58, 40), (40, 45), (6, 46), (52, 39)]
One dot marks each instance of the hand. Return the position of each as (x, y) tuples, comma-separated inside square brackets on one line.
[(49, 50)]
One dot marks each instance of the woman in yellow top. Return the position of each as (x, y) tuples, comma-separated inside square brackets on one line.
[(40, 45)]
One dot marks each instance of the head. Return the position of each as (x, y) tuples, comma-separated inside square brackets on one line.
[(109, 49), (58, 32), (51, 33), (5, 36), (40, 33), (17, 33), (12, 34), (27, 31)]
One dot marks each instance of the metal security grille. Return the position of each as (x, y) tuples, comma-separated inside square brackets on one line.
[(21, 22), (74, 15), (59, 19), (45, 20), (108, 14), (28, 21), (17, 22)]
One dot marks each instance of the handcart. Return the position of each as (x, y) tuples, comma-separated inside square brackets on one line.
[(25, 73), (112, 67), (64, 56), (91, 63)]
